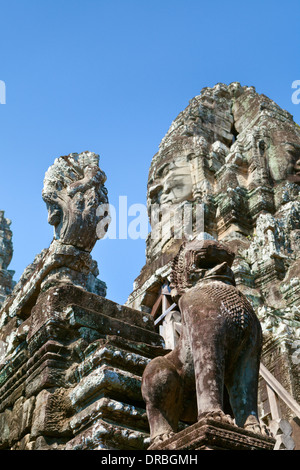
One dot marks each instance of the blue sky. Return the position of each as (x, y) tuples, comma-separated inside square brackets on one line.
[(109, 76)]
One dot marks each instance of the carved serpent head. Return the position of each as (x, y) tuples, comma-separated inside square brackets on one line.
[(73, 190)]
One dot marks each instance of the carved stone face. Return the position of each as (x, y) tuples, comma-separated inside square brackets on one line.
[(172, 183), (218, 151), (283, 154)]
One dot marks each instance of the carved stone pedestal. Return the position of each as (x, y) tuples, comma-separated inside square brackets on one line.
[(209, 434)]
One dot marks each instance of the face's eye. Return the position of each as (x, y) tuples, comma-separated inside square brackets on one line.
[(198, 260), (262, 146), (195, 274), (163, 171)]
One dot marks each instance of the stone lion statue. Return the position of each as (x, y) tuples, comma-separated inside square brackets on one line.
[(213, 371)]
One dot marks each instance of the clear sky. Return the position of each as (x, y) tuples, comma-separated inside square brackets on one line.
[(110, 76)]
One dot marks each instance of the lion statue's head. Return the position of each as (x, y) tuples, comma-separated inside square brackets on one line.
[(200, 260)]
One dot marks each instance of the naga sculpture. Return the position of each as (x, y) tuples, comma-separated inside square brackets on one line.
[(74, 192), (218, 354)]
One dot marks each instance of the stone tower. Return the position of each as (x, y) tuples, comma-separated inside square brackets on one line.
[(229, 169)]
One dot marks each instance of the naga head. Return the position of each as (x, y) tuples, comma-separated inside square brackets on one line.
[(73, 191), (200, 260)]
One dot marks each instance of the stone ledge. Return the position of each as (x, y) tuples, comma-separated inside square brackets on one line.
[(102, 435), (209, 434)]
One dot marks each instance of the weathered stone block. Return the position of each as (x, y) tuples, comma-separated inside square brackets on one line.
[(50, 414), (5, 425), (105, 380)]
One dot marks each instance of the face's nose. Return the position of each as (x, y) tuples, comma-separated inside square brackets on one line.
[(169, 183), (154, 191), (54, 215)]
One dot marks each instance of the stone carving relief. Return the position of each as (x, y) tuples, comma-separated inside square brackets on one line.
[(218, 351)]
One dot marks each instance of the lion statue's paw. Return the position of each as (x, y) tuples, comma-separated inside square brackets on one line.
[(160, 439), (217, 415)]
